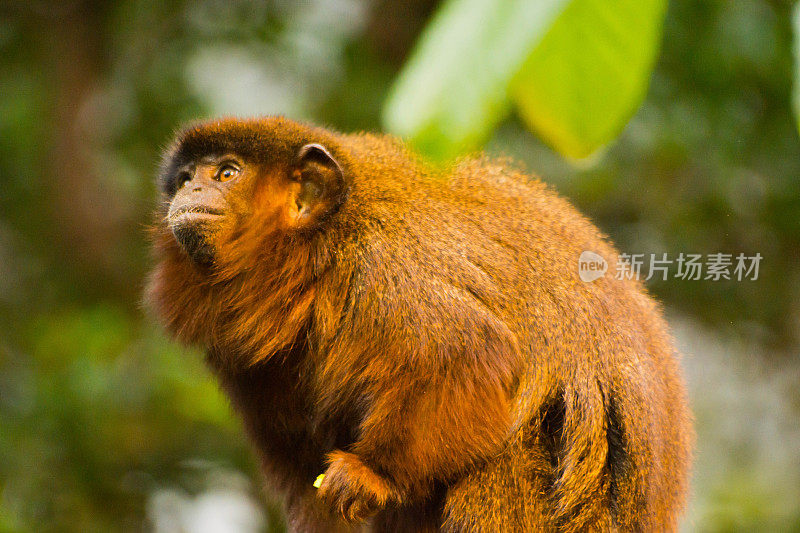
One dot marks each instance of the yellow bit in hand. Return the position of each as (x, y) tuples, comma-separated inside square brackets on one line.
[(318, 481)]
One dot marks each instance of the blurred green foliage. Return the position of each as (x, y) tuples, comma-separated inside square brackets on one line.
[(454, 89), (576, 70), (796, 98), (582, 84), (100, 414)]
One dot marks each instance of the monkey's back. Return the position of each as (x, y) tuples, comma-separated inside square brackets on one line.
[(600, 410)]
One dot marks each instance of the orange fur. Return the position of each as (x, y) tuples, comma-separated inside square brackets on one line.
[(428, 345)]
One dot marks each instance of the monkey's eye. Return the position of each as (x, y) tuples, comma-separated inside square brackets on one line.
[(182, 178), (227, 172)]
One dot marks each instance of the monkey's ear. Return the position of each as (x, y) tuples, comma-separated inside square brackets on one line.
[(322, 188)]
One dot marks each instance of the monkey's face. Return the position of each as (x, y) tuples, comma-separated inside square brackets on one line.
[(229, 192), (200, 202)]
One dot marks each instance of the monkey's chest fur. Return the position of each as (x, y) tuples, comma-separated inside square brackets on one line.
[(276, 400)]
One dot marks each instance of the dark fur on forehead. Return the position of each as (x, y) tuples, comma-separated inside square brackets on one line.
[(267, 141)]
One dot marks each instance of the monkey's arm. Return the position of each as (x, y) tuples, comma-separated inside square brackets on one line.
[(437, 383)]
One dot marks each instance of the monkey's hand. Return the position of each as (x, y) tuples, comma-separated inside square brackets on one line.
[(351, 488)]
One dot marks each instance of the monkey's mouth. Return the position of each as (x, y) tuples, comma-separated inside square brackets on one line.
[(188, 213), (192, 226)]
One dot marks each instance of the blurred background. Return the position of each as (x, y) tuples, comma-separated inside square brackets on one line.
[(106, 425)]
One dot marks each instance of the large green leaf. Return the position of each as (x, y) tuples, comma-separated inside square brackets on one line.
[(454, 89), (581, 85), (577, 68), (796, 92)]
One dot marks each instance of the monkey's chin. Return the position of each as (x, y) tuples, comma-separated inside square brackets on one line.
[(194, 237)]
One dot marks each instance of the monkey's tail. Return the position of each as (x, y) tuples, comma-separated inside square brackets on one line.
[(582, 483)]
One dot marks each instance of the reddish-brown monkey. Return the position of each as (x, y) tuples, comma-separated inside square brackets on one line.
[(420, 336)]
